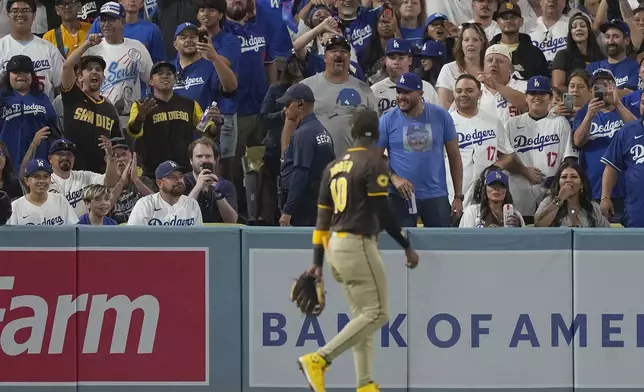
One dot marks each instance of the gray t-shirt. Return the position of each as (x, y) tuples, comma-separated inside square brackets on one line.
[(335, 104)]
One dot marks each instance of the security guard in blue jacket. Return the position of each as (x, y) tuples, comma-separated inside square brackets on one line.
[(310, 150)]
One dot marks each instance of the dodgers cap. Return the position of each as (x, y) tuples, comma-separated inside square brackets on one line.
[(183, 27), (62, 145), (539, 85), (36, 165), (496, 176), (398, 46), (409, 81), (167, 167)]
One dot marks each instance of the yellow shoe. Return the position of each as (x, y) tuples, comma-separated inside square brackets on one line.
[(313, 366), (369, 388)]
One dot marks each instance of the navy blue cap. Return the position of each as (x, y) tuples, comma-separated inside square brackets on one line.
[(62, 145), (398, 46), (432, 49), (185, 26), (167, 167), (601, 73), (112, 9), (409, 81), (616, 24), (37, 165), (297, 92), (539, 85), (435, 16), (496, 176)]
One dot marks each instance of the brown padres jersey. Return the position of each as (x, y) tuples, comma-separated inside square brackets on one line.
[(347, 184)]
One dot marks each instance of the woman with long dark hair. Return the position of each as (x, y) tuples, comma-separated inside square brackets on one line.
[(24, 109), (372, 56), (489, 212), (582, 49), (569, 202), (9, 185)]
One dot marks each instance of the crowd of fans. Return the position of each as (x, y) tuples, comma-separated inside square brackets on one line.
[(185, 112)]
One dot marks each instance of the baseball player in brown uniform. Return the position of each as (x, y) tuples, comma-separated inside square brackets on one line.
[(352, 210)]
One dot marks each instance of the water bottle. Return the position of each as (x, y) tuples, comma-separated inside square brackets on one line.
[(411, 205), (203, 123), (508, 212)]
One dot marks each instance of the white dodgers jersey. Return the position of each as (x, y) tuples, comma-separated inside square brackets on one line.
[(550, 40), (480, 138), (542, 144), (72, 187), (497, 105), (54, 212), (47, 60), (385, 92), (152, 210)]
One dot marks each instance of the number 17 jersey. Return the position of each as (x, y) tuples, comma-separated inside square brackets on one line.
[(346, 186), (543, 144)]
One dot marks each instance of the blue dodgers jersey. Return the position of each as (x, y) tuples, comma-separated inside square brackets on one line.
[(21, 117), (360, 31), (199, 81), (626, 71), (632, 102), (252, 81), (143, 31), (626, 154), (415, 148), (269, 18), (602, 130)]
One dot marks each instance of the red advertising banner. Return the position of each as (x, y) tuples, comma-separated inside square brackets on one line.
[(104, 316)]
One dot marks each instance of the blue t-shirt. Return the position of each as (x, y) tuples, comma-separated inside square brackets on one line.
[(632, 102), (602, 130), (626, 154), (20, 118), (252, 81), (626, 72), (360, 31), (269, 18), (415, 148), (143, 31), (107, 221), (416, 37)]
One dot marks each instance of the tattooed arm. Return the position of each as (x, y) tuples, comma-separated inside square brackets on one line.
[(629, 18)]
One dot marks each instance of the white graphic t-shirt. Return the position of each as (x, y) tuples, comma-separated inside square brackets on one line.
[(55, 211), (152, 210), (128, 64)]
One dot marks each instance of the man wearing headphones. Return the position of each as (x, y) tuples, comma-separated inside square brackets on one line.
[(308, 153)]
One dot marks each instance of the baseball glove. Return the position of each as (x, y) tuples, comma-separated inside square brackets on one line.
[(308, 295)]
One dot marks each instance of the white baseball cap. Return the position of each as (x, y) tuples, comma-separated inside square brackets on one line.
[(499, 49)]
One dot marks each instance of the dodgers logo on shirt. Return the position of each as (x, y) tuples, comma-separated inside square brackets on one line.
[(638, 154), (551, 45), (175, 221), (58, 220), (417, 138), (349, 97), (605, 130), (186, 83), (9, 112), (74, 197), (523, 143), (252, 43), (358, 36), (621, 81), (475, 137)]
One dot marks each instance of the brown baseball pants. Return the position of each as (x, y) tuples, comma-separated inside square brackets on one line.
[(355, 262)]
